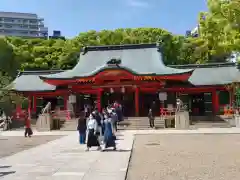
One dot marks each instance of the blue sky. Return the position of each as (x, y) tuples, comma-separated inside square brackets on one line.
[(74, 16)]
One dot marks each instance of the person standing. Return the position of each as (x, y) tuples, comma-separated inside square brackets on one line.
[(82, 127), (87, 110), (151, 118), (109, 137), (28, 131), (119, 112), (92, 137), (98, 118), (114, 118)]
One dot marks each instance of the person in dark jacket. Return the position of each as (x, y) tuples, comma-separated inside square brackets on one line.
[(82, 127), (151, 118)]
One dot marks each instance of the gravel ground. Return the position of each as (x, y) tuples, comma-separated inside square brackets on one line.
[(185, 157), (11, 145)]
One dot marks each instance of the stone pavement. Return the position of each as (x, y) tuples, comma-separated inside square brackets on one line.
[(13, 144), (36, 133), (185, 157), (65, 159), (232, 130)]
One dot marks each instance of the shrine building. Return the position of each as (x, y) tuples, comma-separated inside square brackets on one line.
[(133, 75)]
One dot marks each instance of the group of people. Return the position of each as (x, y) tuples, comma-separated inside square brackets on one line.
[(5, 121), (99, 128)]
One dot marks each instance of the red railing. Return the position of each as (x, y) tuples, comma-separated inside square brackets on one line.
[(167, 111)]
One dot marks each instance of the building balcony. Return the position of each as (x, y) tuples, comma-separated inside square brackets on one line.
[(43, 29), (19, 28), (23, 22), (22, 34)]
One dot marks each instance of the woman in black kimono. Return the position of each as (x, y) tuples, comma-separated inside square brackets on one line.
[(92, 136)]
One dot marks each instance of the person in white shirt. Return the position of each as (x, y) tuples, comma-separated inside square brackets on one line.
[(92, 137)]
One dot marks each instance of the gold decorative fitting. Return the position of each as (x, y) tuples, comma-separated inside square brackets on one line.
[(145, 78), (228, 87)]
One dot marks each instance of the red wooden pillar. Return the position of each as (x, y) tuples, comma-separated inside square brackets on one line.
[(137, 101), (231, 93), (65, 101), (34, 104), (99, 95), (215, 101), (29, 105), (65, 106)]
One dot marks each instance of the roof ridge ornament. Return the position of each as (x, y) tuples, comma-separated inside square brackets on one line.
[(84, 50), (114, 62)]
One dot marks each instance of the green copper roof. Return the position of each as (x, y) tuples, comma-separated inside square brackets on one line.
[(29, 81), (212, 74), (203, 75), (140, 59)]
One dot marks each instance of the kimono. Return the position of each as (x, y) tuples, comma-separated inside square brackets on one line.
[(92, 137), (109, 137)]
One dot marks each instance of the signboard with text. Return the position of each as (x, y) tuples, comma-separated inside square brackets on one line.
[(162, 96)]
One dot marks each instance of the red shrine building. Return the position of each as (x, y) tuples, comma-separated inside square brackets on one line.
[(133, 75)]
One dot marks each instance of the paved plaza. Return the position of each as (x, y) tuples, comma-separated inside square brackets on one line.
[(211, 153), (64, 158), (185, 157), (13, 144)]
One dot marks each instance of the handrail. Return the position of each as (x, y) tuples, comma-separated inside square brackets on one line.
[(47, 108)]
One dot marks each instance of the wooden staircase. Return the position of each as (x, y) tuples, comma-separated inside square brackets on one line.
[(140, 123)]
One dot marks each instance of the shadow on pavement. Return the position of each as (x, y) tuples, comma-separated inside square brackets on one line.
[(118, 150), (5, 173), (117, 139), (5, 166)]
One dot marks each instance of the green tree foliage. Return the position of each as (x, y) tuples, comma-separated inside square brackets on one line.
[(36, 54), (219, 37), (220, 27), (8, 99), (9, 65)]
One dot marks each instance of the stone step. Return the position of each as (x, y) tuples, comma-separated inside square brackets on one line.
[(132, 123), (138, 128), (140, 123)]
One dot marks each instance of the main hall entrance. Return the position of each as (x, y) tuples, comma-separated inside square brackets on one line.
[(125, 99), (147, 101)]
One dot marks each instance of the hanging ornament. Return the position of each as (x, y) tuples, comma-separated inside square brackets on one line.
[(123, 89), (72, 98), (111, 90)]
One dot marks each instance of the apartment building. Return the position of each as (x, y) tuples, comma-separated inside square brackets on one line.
[(57, 35), (22, 25)]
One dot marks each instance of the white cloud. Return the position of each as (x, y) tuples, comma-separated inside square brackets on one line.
[(138, 3)]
